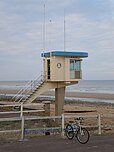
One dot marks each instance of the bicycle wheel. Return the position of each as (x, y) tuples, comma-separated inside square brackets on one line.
[(83, 135), (69, 132)]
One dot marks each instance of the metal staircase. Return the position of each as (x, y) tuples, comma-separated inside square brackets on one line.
[(28, 92), (34, 88)]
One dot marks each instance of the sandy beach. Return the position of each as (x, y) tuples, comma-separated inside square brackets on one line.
[(83, 108), (95, 107), (107, 96)]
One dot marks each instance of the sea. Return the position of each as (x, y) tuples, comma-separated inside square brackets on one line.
[(89, 86), (93, 86)]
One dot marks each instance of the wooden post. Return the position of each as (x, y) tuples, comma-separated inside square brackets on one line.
[(47, 108), (47, 113), (99, 124)]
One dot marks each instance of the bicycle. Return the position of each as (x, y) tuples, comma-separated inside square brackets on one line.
[(75, 129)]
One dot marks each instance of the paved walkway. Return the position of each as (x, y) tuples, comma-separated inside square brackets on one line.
[(57, 144)]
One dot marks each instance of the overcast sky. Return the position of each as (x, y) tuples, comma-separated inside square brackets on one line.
[(89, 27)]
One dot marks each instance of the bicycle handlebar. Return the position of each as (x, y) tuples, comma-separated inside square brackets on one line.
[(80, 118)]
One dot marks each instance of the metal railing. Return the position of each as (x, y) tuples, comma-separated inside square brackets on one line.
[(23, 130), (28, 89), (21, 110)]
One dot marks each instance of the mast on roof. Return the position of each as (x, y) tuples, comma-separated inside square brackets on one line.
[(43, 36), (64, 32)]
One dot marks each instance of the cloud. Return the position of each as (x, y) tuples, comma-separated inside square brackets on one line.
[(94, 9), (89, 27)]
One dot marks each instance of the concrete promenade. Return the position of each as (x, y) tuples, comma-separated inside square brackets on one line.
[(57, 144)]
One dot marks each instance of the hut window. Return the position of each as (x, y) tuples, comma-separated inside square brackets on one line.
[(75, 69)]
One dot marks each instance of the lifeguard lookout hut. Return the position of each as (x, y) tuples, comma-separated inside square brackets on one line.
[(60, 70), (63, 67)]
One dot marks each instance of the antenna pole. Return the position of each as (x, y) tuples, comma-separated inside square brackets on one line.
[(44, 31), (43, 37), (64, 32)]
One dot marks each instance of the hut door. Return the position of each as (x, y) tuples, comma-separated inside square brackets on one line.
[(48, 69)]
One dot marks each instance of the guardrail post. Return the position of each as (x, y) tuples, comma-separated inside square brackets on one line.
[(21, 114), (62, 134), (99, 124), (22, 128)]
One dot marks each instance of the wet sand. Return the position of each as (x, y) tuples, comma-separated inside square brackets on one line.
[(85, 95), (106, 96)]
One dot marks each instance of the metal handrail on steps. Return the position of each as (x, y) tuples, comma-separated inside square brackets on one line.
[(28, 88)]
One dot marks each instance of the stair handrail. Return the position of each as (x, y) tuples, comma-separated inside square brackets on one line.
[(19, 92), (38, 82), (27, 88)]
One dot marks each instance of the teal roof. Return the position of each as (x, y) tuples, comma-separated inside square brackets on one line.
[(63, 53)]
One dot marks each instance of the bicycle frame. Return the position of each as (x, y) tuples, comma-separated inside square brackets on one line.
[(76, 126), (75, 129)]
